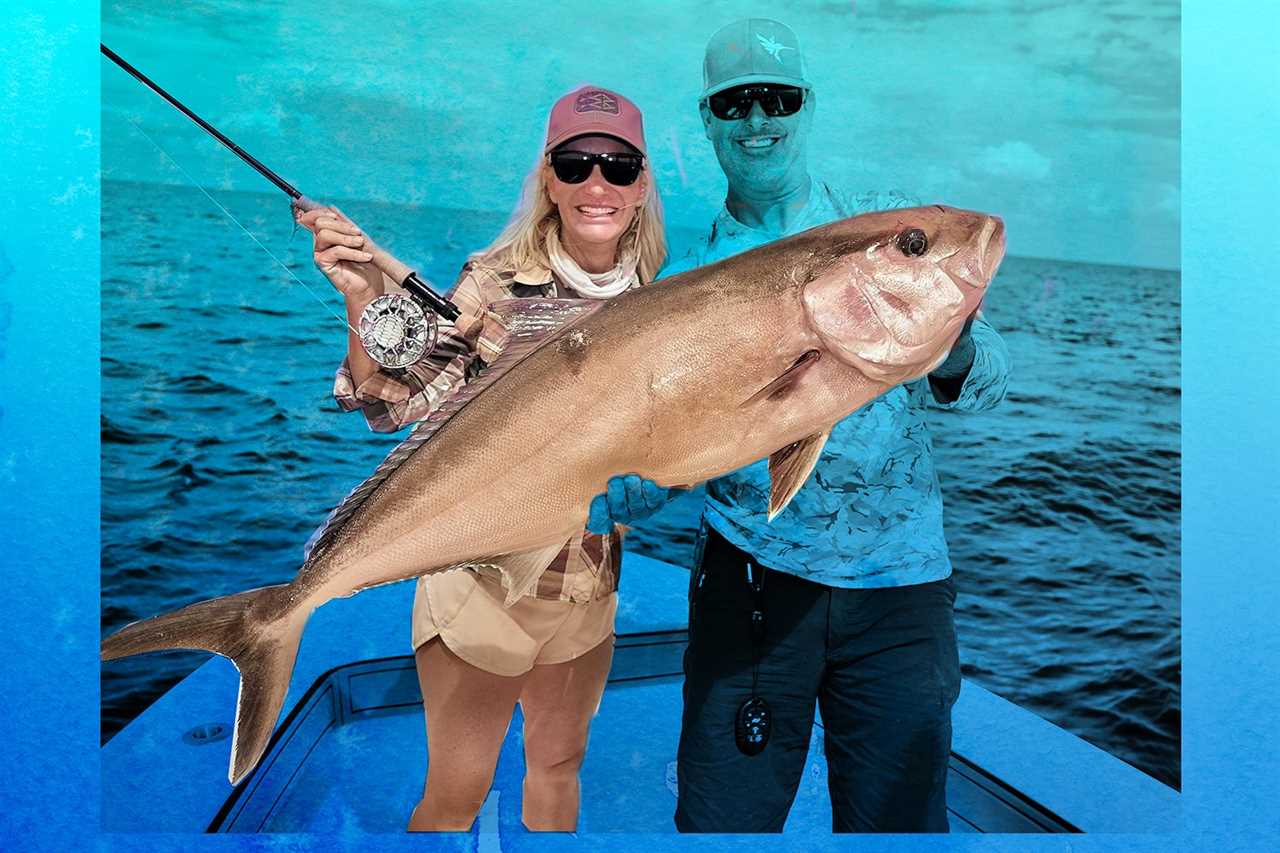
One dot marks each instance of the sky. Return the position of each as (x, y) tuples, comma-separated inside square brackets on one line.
[(1062, 116)]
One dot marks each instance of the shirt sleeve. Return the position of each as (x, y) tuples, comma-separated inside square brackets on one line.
[(894, 199), (988, 379), (691, 259), (851, 203), (394, 398)]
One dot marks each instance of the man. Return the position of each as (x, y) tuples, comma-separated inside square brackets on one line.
[(849, 589)]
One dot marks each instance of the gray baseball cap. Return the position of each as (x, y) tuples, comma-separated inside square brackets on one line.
[(754, 50)]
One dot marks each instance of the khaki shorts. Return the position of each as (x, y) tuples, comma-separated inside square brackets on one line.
[(465, 609)]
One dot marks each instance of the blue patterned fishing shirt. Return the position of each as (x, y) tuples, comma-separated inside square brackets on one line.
[(870, 514)]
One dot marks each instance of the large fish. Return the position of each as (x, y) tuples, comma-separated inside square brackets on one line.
[(756, 356)]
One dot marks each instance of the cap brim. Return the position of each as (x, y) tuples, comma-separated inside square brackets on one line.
[(593, 130), (744, 79)]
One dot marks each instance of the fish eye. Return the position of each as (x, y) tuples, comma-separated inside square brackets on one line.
[(913, 242)]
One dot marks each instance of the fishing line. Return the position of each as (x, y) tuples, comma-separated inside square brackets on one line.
[(229, 215), (396, 329)]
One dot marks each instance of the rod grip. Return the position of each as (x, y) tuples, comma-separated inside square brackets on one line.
[(385, 261)]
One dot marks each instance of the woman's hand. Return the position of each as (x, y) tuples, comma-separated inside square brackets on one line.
[(338, 252)]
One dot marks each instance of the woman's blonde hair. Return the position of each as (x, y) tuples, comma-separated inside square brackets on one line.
[(523, 240)]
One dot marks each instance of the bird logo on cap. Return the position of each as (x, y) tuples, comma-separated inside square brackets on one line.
[(596, 101), (773, 48)]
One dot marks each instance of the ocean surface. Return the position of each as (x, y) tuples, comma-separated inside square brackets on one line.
[(222, 450)]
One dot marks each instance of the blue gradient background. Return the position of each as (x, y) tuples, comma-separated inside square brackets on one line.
[(49, 453)]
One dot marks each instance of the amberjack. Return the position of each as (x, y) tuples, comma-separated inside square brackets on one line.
[(680, 381)]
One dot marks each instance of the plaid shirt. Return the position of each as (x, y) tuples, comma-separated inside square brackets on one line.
[(589, 565)]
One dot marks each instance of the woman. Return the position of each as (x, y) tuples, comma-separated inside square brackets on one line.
[(589, 226)]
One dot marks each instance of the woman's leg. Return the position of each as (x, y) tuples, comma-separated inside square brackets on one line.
[(558, 701), (468, 711)]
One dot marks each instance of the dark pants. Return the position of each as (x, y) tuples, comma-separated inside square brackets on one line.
[(883, 667)]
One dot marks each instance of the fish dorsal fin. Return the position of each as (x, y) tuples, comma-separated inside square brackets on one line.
[(790, 467), (787, 380), (530, 323), (539, 317)]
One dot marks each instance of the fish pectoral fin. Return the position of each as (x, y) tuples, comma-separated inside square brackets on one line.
[(790, 467), (787, 380), (521, 569)]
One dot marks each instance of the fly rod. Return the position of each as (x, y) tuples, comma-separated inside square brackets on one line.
[(395, 329)]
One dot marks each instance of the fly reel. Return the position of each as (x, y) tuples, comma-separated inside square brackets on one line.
[(397, 331)]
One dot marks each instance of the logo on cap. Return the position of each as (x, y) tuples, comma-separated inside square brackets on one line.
[(596, 101), (773, 48)]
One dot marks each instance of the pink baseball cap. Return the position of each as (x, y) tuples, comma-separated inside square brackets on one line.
[(593, 110)]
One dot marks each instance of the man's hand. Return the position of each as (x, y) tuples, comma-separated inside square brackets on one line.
[(627, 498)]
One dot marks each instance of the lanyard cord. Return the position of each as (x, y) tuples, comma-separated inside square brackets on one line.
[(757, 620)]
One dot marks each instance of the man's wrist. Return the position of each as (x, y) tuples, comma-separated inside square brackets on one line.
[(958, 362)]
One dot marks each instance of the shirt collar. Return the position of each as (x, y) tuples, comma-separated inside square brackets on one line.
[(533, 273)]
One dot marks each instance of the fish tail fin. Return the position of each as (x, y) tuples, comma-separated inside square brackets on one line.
[(257, 630)]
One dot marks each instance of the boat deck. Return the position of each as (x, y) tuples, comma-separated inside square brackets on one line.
[(350, 754), (363, 724)]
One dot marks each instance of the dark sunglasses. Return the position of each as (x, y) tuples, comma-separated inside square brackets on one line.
[(574, 167), (733, 104)]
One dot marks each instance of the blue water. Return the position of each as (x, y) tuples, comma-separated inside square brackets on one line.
[(222, 450)]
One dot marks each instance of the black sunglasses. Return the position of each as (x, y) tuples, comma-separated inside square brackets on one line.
[(574, 167), (733, 104)]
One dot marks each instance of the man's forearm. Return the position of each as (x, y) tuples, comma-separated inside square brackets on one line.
[(975, 375)]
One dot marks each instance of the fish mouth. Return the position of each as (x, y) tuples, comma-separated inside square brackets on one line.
[(973, 270), (991, 246)]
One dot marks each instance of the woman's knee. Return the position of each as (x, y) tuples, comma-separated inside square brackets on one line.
[(559, 758)]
